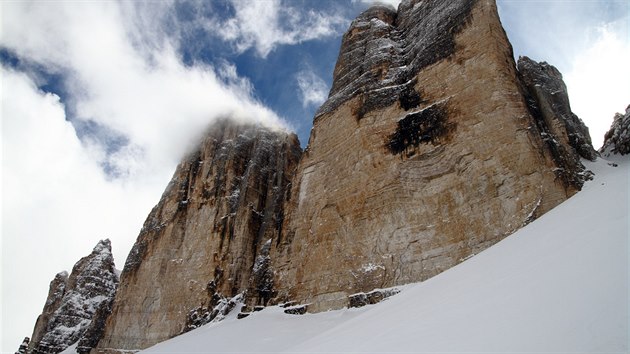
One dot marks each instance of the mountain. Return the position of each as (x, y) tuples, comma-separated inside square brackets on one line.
[(432, 146), (558, 285), (198, 246), (74, 300)]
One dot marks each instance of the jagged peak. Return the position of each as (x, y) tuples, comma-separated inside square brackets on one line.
[(103, 246), (617, 139)]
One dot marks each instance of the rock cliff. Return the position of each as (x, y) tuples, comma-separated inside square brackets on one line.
[(426, 152), (617, 139), (432, 146), (206, 240), (73, 300)]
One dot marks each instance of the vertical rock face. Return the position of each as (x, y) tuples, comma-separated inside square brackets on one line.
[(563, 132), (202, 243), (425, 153), (617, 139), (73, 300)]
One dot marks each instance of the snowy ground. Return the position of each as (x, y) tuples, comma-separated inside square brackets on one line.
[(558, 285)]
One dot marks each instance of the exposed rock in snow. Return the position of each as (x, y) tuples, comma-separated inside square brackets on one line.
[(617, 139), (371, 298), (74, 300)]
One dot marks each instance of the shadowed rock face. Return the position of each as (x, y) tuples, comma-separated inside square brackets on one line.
[(73, 300), (564, 133), (199, 246), (425, 153), (617, 139)]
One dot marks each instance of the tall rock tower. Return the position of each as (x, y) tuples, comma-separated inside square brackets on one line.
[(426, 152), (199, 245)]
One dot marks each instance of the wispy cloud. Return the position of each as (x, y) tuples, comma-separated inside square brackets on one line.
[(313, 89), (264, 25), (122, 80)]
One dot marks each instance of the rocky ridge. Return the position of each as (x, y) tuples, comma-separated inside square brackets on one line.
[(617, 139), (73, 301)]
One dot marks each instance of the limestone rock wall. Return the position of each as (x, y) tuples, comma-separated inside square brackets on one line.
[(199, 245), (73, 300), (425, 153)]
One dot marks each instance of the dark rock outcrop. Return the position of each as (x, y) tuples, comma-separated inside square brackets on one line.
[(205, 243), (617, 139), (74, 300), (370, 298), (564, 133)]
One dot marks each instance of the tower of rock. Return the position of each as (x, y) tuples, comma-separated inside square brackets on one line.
[(429, 149)]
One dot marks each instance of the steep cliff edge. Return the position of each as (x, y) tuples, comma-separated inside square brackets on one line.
[(73, 301), (425, 153), (199, 246)]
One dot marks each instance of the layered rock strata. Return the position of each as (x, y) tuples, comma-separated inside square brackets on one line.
[(425, 153), (617, 139), (206, 240), (73, 301)]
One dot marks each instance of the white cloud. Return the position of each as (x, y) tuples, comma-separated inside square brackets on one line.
[(393, 3), (57, 201), (264, 25), (313, 90), (599, 81)]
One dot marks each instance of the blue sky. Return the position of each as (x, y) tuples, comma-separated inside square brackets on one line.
[(101, 99)]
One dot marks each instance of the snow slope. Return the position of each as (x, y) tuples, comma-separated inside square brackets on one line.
[(558, 285)]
